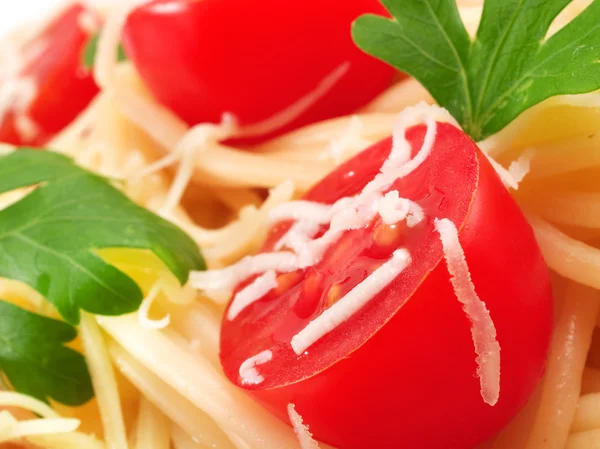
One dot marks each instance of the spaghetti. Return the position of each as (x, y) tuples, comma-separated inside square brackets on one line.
[(168, 357)]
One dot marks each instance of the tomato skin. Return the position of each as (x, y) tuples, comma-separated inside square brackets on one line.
[(65, 87), (412, 383), (252, 58)]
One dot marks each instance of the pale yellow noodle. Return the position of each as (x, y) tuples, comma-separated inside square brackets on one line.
[(181, 440), (587, 416), (177, 408), (584, 440), (197, 379), (73, 440), (313, 141), (568, 257), (562, 382), (219, 164), (104, 382), (153, 428), (200, 326), (566, 155)]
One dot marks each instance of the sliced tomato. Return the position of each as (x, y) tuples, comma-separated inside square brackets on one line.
[(401, 372), (63, 86), (252, 58)]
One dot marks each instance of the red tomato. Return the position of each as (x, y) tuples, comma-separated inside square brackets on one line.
[(64, 86), (252, 58), (401, 373)]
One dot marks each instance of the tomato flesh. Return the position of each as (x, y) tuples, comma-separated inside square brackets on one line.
[(64, 86), (252, 58), (406, 361)]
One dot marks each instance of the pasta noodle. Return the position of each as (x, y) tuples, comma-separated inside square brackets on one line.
[(173, 363)]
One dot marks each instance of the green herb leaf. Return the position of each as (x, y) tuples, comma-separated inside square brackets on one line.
[(89, 52), (36, 362), (48, 239), (510, 67)]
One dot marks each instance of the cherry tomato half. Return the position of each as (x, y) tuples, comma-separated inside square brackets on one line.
[(401, 372), (252, 58), (63, 86)]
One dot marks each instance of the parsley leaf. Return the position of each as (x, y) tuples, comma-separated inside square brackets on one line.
[(510, 67), (34, 360), (89, 52), (48, 239)]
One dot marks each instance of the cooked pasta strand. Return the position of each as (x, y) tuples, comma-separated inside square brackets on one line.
[(152, 428), (562, 381), (569, 257), (197, 380), (177, 408), (104, 382)]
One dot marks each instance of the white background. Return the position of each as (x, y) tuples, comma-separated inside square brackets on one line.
[(15, 12)]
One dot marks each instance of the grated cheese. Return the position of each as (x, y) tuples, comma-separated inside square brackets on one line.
[(144, 311), (517, 170), (106, 61), (399, 164), (392, 208), (301, 430), (346, 214), (483, 330), (248, 372), (351, 139), (88, 22), (352, 302), (252, 293), (298, 237), (520, 168), (26, 127), (302, 210), (297, 108), (227, 278), (188, 149), (17, 94)]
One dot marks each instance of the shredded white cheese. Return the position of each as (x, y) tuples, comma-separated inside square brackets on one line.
[(17, 94), (520, 168), (352, 302), (348, 143), (188, 149), (298, 236), (88, 22), (483, 330), (26, 127), (394, 209), (252, 293), (297, 108), (249, 375), (517, 170), (228, 278), (301, 430), (302, 210)]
